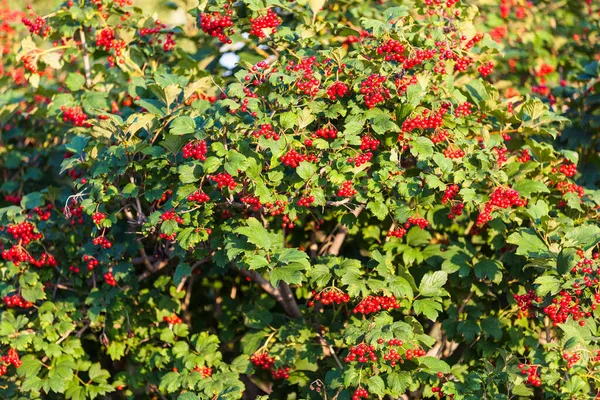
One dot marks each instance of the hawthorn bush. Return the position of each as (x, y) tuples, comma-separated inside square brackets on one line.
[(356, 209)]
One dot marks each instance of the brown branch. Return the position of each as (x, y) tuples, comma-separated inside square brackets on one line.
[(290, 301), (283, 295), (340, 237)]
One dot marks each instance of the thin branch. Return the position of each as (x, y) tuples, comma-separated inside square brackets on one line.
[(339, 239), (86, 59)]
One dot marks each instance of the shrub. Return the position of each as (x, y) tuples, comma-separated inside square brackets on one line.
[(353, 210)]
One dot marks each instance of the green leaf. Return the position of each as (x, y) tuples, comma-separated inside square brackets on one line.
[(547, 284), (182, 125), (584, 236), (256, 234), (376, 385), (398, 382), (379, 209), (306, 170), (529, 244), (75, 81), (288, 119), (428, 307), (422, 148), (432, 283), (526, 187), (489, 269), (434, 365), (182, 271), (30, 367), (291, 273)]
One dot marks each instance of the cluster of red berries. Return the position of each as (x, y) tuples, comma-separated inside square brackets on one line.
[(327, 133), (102, 241), (427, 120), (267, 22), (173, 319), (106, 39), (45, 260), (374, 91), (373, 304), (252, 201), (346, 190), (11, 357), (524, 157), (281, 373), (472, 41), (262, 361), (450, 193), (307, 83), (524, 301), (585, 265), (206, 372), (360, 393), (74, 269), (486, 68), (462, 63), (571, 359), (360, 159), (463, 110), (567, 168), (44, 215), (98, 217), (440, 136), (91, 262), (37, 26), (306, 201), (532, 374), (328, 297), (456, 210), (110, 279), (76, 213), (362, 353), (420, 222), (198, 197), (215, 24), (75, 115), (171, 215), (24, 232), (337, 90), (419, 57), (223, 179), (13, 198), (369, 143), (16, 300), (500, 198), (404, 82), (152, 31), (397, 233), (392, 50), (562, 306), (292, 158), (267, 131), (501, 157), (454, 153), (166, 236), (566, 187), (195, 150), (17, 255)]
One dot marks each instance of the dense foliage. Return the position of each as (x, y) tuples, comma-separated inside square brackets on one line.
[(387, 198)]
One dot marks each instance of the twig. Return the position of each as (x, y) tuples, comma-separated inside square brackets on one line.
[(86, 59)]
